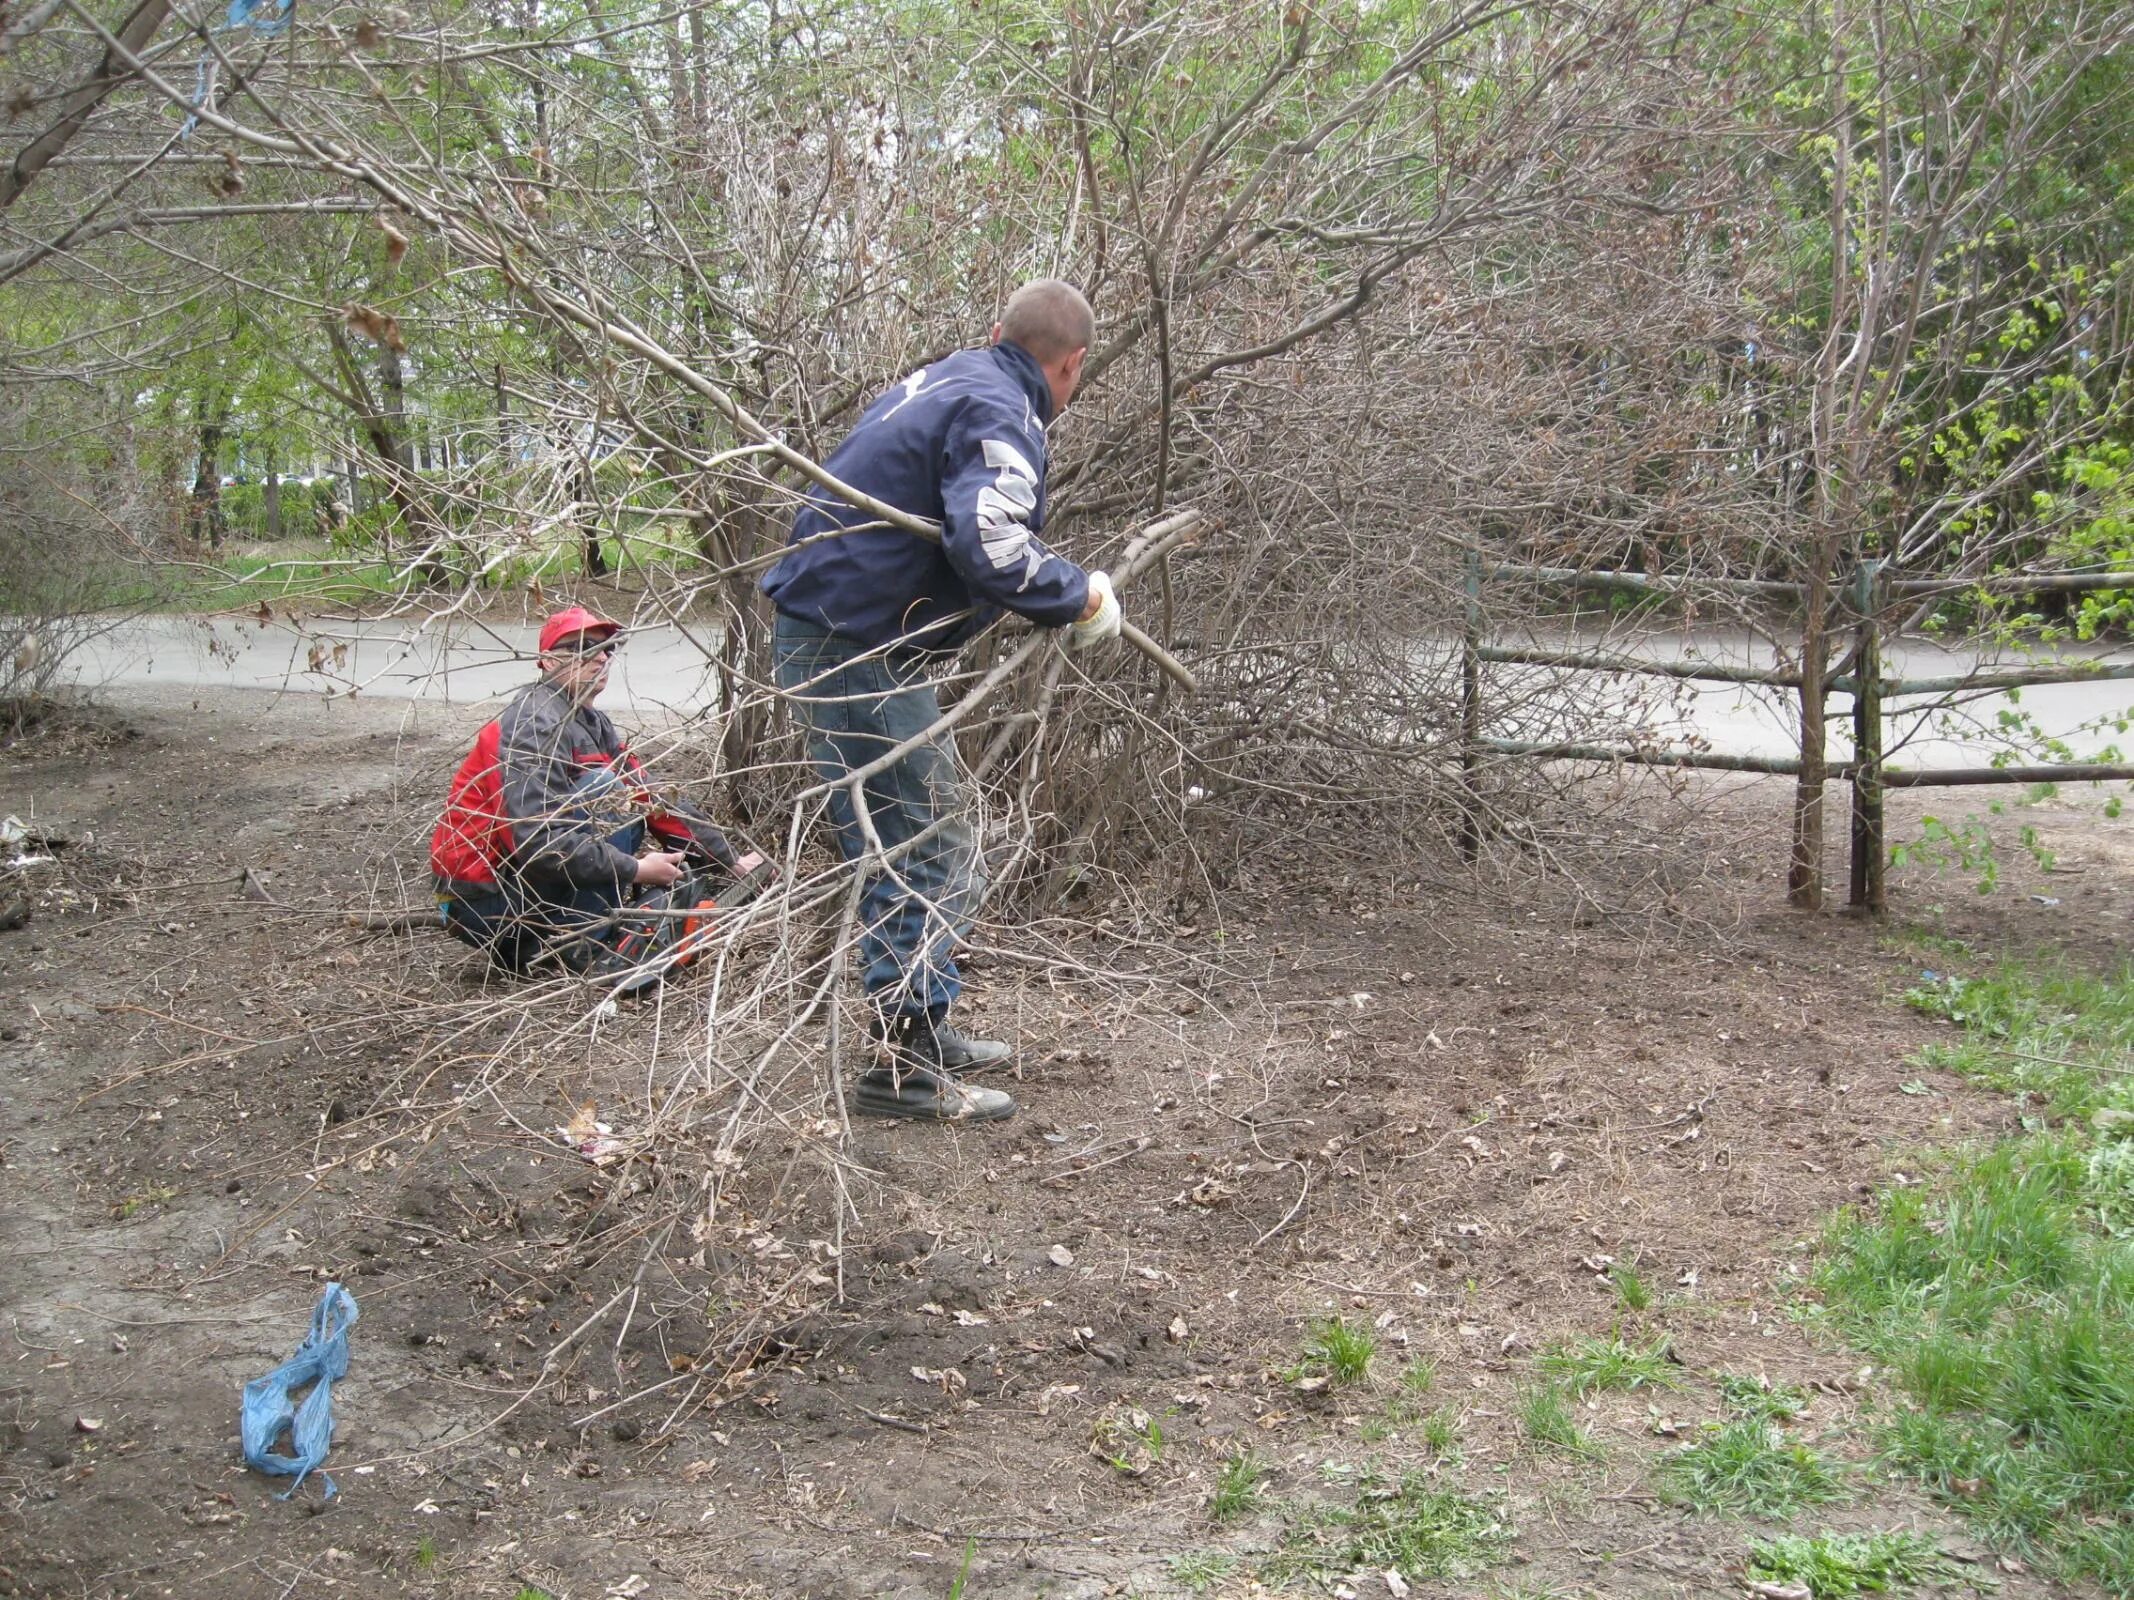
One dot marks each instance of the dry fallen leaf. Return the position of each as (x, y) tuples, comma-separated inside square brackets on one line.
[(1053, 1393), (375, 325)]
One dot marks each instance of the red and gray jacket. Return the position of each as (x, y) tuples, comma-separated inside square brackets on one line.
[(520, 802)]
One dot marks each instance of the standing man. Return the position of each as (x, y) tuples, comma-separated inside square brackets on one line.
[(868, 615)]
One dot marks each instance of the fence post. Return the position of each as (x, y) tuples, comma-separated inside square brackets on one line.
[(1870, 852), (1471, 709), (1804, 875)]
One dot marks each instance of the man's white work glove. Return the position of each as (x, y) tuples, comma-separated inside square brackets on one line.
[(1104, 622)]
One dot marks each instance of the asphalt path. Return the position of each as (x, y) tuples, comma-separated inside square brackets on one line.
[(664, 670)]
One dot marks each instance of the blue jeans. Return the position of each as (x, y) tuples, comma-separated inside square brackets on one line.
[(854, 706)]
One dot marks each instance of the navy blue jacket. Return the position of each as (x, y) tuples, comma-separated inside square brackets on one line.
[(961, 442)]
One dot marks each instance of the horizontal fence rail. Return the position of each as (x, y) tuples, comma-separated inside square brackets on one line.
[(1868, 595), (1689, 583), (1789, 766)]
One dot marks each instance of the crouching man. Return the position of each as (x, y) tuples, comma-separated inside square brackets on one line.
[(551, 849)]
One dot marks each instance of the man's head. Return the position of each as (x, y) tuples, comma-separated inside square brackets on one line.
[(1052, 321), (575, 647)]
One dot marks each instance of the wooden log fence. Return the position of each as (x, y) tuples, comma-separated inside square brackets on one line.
[(1868, 597)]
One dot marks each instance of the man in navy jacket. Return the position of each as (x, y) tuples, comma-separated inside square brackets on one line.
[(868, 614)]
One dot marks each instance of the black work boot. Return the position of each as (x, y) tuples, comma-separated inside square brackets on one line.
[(964, 1056), (908, 1079)]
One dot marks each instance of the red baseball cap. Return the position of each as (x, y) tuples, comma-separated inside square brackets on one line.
[(574, 622)]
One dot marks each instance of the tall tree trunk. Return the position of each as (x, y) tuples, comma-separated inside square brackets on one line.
[(383, 423), (270, 497), (81, 102), (582, 491), (1829, 435), (205, 521)]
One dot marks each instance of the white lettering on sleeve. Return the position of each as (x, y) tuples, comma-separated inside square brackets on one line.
[(1004, 507)]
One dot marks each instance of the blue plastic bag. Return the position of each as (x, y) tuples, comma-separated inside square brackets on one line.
[(269, 1411)]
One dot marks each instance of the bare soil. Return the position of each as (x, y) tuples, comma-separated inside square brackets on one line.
[(1434, 1102)]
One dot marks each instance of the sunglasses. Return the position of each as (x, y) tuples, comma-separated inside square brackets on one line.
[(585, 651)]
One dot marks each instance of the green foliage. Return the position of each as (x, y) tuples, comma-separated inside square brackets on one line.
[(2002, 1295), (1967, 846), (957, 1589), (1413, 1527), (1588, 1366), (1546, 1418), (1201, 1570), (1129, 1439), (1760, 1397), (1750, 1467), (1337, 1350), (1630, 1290), (2047, 1030), (1832, 1565), (1441, 1432), (1237, 1487), (426, 1553)]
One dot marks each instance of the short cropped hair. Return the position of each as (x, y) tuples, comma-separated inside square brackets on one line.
[(1050, 319)]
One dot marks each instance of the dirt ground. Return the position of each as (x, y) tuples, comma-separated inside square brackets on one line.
[(1428, 1101)]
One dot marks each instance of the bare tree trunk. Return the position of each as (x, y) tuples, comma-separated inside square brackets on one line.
[(582, 491), (75, 110), (382, 422), (271, 498), (205, 521), (1828, 434)]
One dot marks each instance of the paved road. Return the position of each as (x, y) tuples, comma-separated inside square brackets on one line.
[(456, 661), (662, 670)]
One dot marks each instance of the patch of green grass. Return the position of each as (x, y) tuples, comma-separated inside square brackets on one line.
[(1413, 1527), (1758, 1396), (1631, 1291), (1417, 1378), (531, 1593), (1237, 1487), (963, 1572), (426, 1554), (2001, 1294), (1128, 1439), (1441, 1432), (1337, 1350), (1406, 1406), (2044, 1030), (1837, 1564), (1588, 1366), (161, 1194), (1749, 1466), (1927, 942), (1546, 1419), (1201, 1570)]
